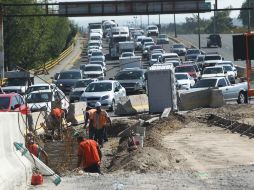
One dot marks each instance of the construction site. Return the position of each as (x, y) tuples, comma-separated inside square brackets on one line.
[(193, 150)]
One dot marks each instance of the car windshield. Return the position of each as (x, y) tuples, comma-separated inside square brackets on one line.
[(129, 54), (212, 57), (213, 70), (16, 82), (96, 59), (36, 88), (4, 103), (94, 44), (83, 83), (200, 58), (227, 68), (129, 75), (193, 51), (97, 53), (185, 69), (152, 28), (99, 87), (70, 75), (93, 68), (205, 83), (162, 36), (156, 56), (178, 46), (181, 76), (39, 97)]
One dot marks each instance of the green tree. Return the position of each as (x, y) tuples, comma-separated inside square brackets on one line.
[(31, 41), (223, 23), (244, 14)]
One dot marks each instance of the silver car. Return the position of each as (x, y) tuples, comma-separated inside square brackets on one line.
[(107, 92)]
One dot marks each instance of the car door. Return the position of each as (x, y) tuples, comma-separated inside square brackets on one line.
[(224, 88), (116, 91), (121, 90)]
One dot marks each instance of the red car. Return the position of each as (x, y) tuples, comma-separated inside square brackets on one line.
[(188, 68), (13, 102)]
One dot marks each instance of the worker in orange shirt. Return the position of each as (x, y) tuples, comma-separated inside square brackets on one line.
[(35, 149), (57, 114), (89, 155), (89, 117), (100, 121)]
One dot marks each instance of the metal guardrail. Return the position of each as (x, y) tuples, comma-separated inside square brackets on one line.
[(52, 63)]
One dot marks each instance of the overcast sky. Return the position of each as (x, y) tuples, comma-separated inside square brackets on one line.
[(124, 20)]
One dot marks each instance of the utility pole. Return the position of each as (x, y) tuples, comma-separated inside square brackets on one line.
[(175, 25), (159, 23), (199, 46), (249, 16), (148, 20), (214, 17), (140, 21)]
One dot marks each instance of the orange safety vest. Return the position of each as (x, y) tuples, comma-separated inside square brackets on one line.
[(34, 149), (88, 150), (90, 113), (57, 112), (103, 118)]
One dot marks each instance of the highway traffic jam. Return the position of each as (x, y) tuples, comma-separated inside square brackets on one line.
[(135, 52)]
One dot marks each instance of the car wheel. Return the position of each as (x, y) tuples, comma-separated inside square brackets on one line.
[(241, 98), (113, 106)]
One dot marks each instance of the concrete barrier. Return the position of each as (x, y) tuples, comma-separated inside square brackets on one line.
[(196, 98), (132, 105), (76, 112), (16, 170)]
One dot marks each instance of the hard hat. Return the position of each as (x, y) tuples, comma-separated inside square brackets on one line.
[(98, 104)]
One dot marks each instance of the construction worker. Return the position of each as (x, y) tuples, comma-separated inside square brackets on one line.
[(89, 116), (100, 121), (35, 149), (57, 114), (89, 155)]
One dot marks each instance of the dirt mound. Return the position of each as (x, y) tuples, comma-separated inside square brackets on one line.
[(153, 156), (118, 125), (141, 160)]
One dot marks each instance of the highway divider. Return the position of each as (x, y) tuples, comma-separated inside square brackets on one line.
[(196, 98), (131, 105), (16, 170)]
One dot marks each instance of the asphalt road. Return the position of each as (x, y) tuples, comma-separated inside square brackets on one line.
[(226, 50)]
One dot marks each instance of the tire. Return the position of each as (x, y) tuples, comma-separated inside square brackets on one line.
[(241, 98), (113, 106)]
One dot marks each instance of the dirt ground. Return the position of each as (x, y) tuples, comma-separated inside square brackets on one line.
[(180, 152)]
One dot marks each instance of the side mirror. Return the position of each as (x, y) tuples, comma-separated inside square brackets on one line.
[(220, 85), (222, 58), (225, 72), (116, 90), (52, 78)]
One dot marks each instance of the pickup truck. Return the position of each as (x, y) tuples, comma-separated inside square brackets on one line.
[(230, 92)]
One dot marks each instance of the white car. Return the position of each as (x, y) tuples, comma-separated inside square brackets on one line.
[(107, 92), (154, 58), (42, 86), (185, 81), (91, 50), (228, 63), (127, 54), (95, 36), (102, 63), (94, 43), (138, 42), (180, 49), (79, 88), (93, 71), (97, 54), (216, 71), (42, 99), (152, 30)]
